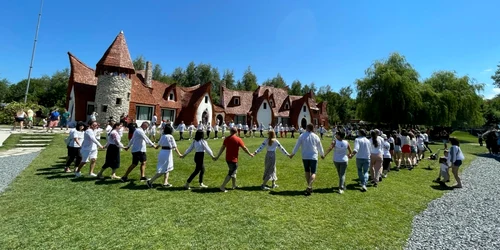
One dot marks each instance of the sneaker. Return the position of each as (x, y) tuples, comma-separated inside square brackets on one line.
[(363, 188), (264, 188), (78, 174), (341, 191), (150, 185), (144, 178), (375, 184), (92, 175), (275, 186), (115, 177), (124, 179), (235, 187), (223, 190), (186, 186), (203, 185), (167, 185), (67, 170)]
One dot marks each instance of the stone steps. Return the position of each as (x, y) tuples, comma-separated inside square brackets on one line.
[(29, 145), (34, 140)]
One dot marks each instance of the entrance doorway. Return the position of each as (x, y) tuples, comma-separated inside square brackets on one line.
[(204, 118), (303, 123), (220, 119)]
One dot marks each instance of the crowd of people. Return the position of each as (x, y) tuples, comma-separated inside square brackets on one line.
[(27, 119), (373, 150)]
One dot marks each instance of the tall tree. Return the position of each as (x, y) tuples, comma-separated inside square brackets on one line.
[(239, 85), (216, 81), (249, 80), (346, 108), (277, 82), (192, 78), (389, 92), (296, 88), (179, 76), (496, 77), (228, 79), (139, 63), (157, 72), (4, 88), (457, 99), (305, 89), (203, 73)]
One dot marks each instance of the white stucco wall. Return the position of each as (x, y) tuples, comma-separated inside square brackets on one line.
[(306, 114), (204, 106), (71, 104), (264, 116)]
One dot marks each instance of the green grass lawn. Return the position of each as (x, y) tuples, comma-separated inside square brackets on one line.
[(10, 142), (45, 208)]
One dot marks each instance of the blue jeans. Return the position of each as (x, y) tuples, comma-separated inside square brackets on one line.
[(363, 165)]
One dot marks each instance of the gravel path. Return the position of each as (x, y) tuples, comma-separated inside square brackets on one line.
[(467, 218), (11, 166)]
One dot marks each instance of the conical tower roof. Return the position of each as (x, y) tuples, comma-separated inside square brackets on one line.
[(117, 55)]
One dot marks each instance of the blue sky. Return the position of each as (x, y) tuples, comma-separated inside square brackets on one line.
[(326, 42)]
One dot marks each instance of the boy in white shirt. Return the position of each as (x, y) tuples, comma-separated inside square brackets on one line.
[(181, 129), (444, 168), (190, 129)]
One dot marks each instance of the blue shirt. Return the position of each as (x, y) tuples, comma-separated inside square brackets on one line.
[(54, 116)]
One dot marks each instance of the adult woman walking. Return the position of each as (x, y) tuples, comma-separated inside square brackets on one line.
[(200, 146), (456, 158), (340, 158), (398, 152), (75, 140), (270, 161), (165, 158), (376, 156), (113, 146)]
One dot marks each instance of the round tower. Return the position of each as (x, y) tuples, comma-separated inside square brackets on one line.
[(114, 81)]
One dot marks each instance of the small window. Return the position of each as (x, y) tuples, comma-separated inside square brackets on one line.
[(304, 108), (271, 103), (118, 101), (206, 99), (265, 105), (128, 96), (236, 101), (171, 97), (287, 106), (104, 108)]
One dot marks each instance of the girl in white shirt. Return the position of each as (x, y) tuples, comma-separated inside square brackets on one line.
[(455, 159), (386, 164), (420, 147), (165, 158), (200, 146), (376, 156), (340, 158), (254, 128), (75, 143), (113, 146), (270, 162), (209, 130)]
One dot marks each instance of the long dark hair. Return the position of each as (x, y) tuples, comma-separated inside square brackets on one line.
[(198, 135), (454, 141), (167, 130), (374, 135), (80, 124)]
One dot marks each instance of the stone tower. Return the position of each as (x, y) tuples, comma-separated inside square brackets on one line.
[(114, 84)]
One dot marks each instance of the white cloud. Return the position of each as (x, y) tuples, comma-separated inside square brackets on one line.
[(490, 94), (486, 71)]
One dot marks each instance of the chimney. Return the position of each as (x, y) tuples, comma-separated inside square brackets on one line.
[(222, 86), (148, 78)]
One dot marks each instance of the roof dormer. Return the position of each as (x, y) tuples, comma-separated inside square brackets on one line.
[(272, 103), (171, 96), (236, 101)]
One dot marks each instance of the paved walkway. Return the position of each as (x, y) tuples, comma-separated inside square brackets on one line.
[(6, 131)]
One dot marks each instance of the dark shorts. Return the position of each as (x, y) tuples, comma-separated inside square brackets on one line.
[(457, 163), (19, 119), (310, 166), (138, 157), (233, 168)]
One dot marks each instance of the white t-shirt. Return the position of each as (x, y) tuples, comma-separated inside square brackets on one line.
[(340, 153), (387, 147)]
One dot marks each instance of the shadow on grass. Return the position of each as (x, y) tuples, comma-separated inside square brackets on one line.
[(54, 167), (206, 190), (83, 179), (107, 181), (49, 173), (162, 188), (60, 176), (249, 188), (288, 193), (133, 186)]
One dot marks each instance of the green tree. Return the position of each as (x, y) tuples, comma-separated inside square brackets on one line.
[(178, 76), (346, 108), (228, 79), (216, 81), (389, 92), (4, 88), (192, 78), (239, 85), (139, 63), (452, 100), (277, 82), (157, 72), (296, 88), (249, 80), (305, 89), (496, 77)]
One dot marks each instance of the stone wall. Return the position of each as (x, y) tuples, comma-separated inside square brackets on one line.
[(109, 89)]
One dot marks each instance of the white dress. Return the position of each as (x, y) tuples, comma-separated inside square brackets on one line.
[(165, 158)]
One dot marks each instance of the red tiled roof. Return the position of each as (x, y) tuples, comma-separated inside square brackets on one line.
[(80, 72), (141, 93), (117, 55), (219, 109), (277, 94), (246, 99)]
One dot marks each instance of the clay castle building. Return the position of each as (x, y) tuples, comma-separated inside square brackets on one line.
[(115, 88)]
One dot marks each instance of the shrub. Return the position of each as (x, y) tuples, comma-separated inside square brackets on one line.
[(8, 111)]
